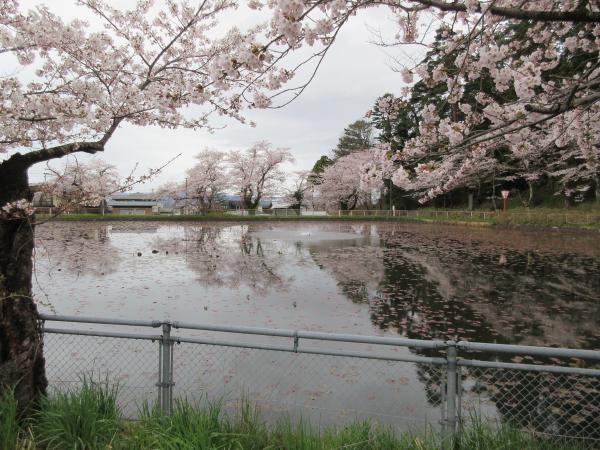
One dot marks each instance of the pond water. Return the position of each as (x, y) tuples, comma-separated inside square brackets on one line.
[(394, 279), (418, 281)]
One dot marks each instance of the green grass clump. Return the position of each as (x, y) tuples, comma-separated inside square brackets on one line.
[(85, 419), (190, 427), (479, 435), (9, 426), (89, 419), (207, 427)]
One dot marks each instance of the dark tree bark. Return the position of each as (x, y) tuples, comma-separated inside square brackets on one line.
[(21, 341)]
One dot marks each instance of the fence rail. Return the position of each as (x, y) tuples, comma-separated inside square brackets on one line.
[(396, 380)]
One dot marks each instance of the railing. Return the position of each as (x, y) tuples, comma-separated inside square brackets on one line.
[(335, 376)]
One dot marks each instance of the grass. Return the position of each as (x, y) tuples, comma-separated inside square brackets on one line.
[(209, 217), (85, 419), (10, 429), (89, 419), (583, 216)]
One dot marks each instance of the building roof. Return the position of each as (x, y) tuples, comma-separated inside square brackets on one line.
[(135, 196), (132, 203)]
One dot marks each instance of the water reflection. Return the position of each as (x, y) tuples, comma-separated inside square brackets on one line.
[(229, 258), (425, 287), (442, 288), (78, 250), (420, 281)]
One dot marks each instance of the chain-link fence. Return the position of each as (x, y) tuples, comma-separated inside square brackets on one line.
[(131, 364), (554, 405), (323, 388), (332, 378)]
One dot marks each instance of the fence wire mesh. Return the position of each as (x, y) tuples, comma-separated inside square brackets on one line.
[(324, 389), (130, 364), (327, 389), (560, 407)]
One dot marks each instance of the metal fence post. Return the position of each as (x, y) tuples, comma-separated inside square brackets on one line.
[(165, 370), (451, 397)]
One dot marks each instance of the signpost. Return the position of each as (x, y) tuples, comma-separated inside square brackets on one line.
[(505, 199)]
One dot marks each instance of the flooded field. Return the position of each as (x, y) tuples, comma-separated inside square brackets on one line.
[(414, 280)]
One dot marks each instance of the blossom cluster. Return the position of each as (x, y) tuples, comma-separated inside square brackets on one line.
[(20, 209), (547, 118), (169, 64)]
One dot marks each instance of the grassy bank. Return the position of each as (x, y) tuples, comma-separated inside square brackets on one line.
[(90, 419), (203, 217), (545, 218), (584, 218)]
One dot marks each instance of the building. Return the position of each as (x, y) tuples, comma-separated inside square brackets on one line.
[(135, 203)]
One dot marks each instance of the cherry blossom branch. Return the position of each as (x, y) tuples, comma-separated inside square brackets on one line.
[(577, 15), (58, 151), (564, 107)]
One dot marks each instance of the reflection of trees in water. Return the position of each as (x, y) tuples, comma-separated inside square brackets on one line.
[(78, 248), (357, 281), (443, 288), (433, 295), (444, 292), (536, 300), (227, 257), (420, 299)]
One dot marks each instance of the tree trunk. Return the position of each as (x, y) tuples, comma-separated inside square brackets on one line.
[(21, 339), (530, 198)]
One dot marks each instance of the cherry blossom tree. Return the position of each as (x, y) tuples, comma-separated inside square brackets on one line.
[(66, 87), (207, 179), (300, 193), (352, 179), (256, 172), (83, 184), (540, 55), (205, 182)]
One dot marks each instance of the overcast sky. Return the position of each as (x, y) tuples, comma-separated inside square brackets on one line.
[(353, 75)]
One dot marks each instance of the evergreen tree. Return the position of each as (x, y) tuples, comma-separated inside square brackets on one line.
[(357, 136)]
